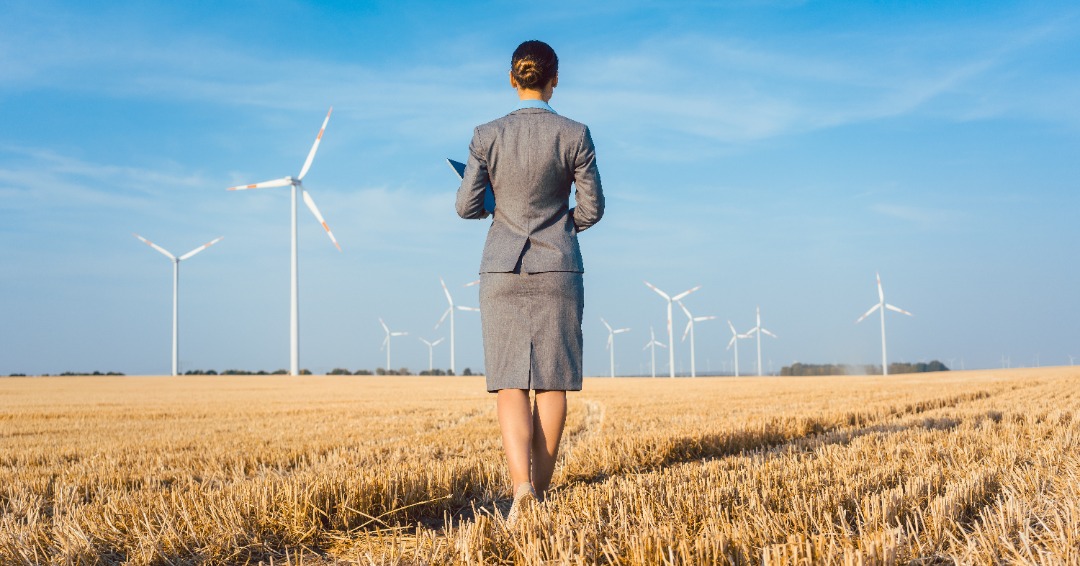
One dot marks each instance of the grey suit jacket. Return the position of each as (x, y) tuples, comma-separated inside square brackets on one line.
[(531, 157)]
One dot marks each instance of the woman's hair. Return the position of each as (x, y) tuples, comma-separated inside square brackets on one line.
[(534, 64)]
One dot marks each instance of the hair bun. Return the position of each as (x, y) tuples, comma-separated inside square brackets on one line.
[(534, 64)]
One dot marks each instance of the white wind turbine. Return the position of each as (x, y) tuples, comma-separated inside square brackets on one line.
[(653, 344), (691, 319), (294, 296), (430, 350), (735, 337), (611, 341), (386, 341), (882, 305), (176, 291), (670, 334), (450, 311), (759, 330)]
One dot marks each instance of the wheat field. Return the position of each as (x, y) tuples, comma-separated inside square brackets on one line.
[(958, 467)]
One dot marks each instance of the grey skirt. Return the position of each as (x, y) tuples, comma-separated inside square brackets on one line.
[(532, 330)]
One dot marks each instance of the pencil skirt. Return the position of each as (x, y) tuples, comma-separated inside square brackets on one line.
[(532, 330)]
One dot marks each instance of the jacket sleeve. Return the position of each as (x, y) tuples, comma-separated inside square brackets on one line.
[(470, 195), (589, 194)]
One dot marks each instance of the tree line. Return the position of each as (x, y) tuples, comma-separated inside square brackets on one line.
[(799, 369)]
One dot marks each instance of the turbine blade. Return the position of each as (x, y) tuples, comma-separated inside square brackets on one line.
[(155, 246), (661, 344), (685, 310), (767, 333), (732, 327), (437, 342), (443, 317), (704, 318), (447, 291), (731, 342), (314, 147), (621, 330), (868, 313), (384, 327), (385, 342), (880, 293), (606, 325), (685, 293), (399, 333), (424, 341), (661, 293), (461, 308), (888, 306), (610, 337), (689, 325), (315, 210), (283, 182), (471, 283), (201, 248)]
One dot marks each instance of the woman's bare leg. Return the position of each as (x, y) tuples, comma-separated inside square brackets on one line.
[(515, 421), (548, 419)]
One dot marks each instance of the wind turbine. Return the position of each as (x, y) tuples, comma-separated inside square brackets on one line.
[(670, 334), (735, 337), (759, 330), (450, 311), (430, 350), (882, 305), (386, 342), (690, 330), (176, 291), (294, 295), (653, 344), (611, 341)]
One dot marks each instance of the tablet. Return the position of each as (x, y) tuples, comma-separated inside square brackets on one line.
[(489, 195)]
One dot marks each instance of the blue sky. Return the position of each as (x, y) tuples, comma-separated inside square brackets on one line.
[(776, 153)]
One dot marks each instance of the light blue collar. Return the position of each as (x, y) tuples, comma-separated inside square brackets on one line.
[(535, 104)]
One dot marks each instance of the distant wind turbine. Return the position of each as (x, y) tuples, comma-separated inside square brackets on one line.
[(176, 292), (653, 344), (386, 341), (759, 330), (294, 295), (735, 337), (690, 320), (430, 352), (670, 334), (611, 341), (450, 311), (882, 305)]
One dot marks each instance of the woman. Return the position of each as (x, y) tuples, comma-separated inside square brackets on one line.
[(531, 290)]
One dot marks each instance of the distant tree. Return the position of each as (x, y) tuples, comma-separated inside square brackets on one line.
[(467, 371), (380, 371), (305, 371), (362, 372), (339, 371), (280, 372)]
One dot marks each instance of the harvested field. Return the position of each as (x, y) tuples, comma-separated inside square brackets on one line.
[(958, 467)]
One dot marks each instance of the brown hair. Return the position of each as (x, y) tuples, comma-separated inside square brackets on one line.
[(534, 64)]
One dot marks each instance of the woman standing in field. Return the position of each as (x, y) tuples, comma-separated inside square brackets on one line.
[(531, 289)]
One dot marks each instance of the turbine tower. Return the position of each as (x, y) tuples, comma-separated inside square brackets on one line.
[(670, 334), (735, 337), (882, 305), (430, 350), (690, 330), (386, 342), (611, 341), (294, 294), (450, 311), (759, 330), (653, 344), (176, 292)]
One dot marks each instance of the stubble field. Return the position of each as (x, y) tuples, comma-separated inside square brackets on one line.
[(964, 467)]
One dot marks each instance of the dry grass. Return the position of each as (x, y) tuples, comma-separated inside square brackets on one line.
[(975, 467)]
